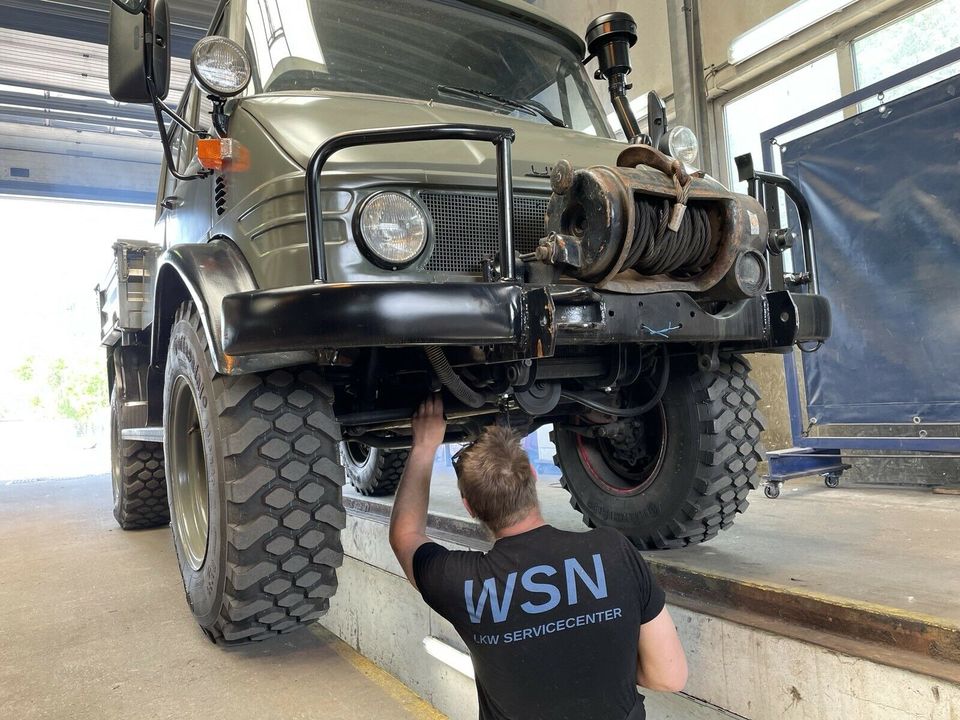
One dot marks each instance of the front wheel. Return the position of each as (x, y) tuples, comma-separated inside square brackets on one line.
[(254, 488), (370, 470), (677, 475)]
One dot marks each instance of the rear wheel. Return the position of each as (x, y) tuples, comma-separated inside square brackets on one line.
[(679, 474), (254, 490), (373, 471), (137, 472)]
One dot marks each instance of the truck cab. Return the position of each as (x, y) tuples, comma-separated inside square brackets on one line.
[(364, 202)]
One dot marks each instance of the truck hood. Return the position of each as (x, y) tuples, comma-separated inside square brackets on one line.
[(299, 123)]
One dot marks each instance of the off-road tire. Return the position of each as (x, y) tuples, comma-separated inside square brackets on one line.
[(139, 485), (275, 510), (378, 474), (709, 466)]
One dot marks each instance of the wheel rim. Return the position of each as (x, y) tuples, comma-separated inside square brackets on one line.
[(187, 474), (616, 477), (358, 453)]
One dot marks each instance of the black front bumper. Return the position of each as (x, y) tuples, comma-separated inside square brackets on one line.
[(530, 321)]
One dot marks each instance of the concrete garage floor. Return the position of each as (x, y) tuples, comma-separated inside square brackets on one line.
[(94, 625), (877, 546)]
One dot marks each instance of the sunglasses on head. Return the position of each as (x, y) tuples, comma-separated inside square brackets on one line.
[(455, 460)]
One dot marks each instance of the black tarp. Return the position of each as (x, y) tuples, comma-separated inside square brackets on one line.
[(884, 190)]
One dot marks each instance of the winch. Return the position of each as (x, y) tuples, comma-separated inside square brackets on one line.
[(647, 224)]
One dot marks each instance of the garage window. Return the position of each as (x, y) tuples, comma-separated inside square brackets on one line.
[(904, 43), (787, 97), (853, 60)]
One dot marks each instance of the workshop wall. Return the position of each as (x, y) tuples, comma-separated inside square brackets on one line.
[(721, 21), (768, 375)]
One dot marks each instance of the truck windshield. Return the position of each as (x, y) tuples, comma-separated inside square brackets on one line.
[(417, 49)]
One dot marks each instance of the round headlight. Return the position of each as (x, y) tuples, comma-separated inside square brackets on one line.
[(683, 145), (393, 228), (220, 66)]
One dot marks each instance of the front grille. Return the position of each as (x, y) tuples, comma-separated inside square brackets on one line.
[(465, 228)]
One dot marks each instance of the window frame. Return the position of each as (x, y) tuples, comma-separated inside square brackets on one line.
[(841, 44)]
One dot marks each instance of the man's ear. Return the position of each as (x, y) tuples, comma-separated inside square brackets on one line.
[(466, 505)]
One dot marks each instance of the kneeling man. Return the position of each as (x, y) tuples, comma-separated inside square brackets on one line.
[(559, 624)]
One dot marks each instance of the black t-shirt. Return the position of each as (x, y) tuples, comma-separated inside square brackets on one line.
[(551, 619)]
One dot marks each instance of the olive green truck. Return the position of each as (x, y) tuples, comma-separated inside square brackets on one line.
[(363, 201)]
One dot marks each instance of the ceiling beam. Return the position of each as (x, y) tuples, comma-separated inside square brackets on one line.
[(84, 24), (38, 137), (80, 122), (94, 109)]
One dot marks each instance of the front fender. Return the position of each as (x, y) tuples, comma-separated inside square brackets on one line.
[(205, 273)]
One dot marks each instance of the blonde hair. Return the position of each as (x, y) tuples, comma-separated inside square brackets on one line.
[(496, 480)]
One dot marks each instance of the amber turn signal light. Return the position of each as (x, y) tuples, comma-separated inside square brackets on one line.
[(223, 154)]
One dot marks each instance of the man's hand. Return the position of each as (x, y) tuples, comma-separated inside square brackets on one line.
[(429, 425), (408, 521)]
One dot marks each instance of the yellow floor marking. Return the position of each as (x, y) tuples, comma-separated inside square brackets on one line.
[(418, 708)]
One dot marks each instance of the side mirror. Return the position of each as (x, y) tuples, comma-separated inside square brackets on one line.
[(139, 64), (161, 48), (656, 118), (130, 64)]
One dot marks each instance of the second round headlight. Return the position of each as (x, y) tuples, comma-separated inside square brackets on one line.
[(220, 66), (393, 229), (684, 146)]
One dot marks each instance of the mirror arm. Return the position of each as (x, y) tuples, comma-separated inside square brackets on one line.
[(158, 108), (199, 132)]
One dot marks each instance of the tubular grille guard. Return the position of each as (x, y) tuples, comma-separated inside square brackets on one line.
[(501, 138)]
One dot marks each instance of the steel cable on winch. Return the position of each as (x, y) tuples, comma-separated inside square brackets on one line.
[(657, 250)]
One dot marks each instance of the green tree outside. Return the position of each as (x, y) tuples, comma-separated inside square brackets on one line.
[(67, 389)]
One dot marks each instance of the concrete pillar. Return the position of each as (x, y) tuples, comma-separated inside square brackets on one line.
[(689, 90)]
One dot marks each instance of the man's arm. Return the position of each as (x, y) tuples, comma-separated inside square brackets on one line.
[(661, 664), (408, 521)]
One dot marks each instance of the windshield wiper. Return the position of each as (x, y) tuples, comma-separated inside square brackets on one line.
[(531, 107)]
